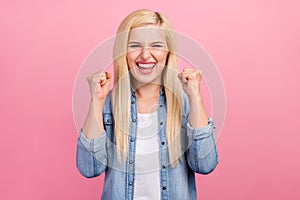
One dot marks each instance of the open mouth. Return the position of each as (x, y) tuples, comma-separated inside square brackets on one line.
[(145, 67)]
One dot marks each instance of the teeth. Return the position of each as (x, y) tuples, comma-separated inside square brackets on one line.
[(146, 65)]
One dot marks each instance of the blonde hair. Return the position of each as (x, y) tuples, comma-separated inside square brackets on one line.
[(121, 93)]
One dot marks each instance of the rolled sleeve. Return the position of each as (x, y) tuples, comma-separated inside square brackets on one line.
[(202, 155), (91, 157), (200, 133), (93, 145)]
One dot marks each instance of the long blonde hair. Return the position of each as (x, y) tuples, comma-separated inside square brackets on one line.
[(121, 93)]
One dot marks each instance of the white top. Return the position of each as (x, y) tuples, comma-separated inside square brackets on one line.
[(147, 179)]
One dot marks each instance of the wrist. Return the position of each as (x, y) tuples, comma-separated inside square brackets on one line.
[(193, 98), (97, 102), (97, 106)]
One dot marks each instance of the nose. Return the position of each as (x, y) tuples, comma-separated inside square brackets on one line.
[(145, 53)]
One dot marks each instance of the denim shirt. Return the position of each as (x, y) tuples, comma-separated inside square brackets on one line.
[(98, 155)]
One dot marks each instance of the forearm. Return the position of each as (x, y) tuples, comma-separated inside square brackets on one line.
[(93, 125), (198, 115), (91, 157), (202, 154)]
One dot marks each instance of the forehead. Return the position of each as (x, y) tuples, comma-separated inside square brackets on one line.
[(147, 34)]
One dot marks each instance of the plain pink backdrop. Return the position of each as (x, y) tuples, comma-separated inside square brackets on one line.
[(255, 44)]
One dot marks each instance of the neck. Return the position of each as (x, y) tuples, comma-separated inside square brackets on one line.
[(148, 91)]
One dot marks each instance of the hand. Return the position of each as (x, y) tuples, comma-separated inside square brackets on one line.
[(190, 80), (99, 84)]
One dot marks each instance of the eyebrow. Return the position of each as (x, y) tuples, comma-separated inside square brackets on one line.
[(157, 42)]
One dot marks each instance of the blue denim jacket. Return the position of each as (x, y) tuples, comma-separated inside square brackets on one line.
[(95, 156)]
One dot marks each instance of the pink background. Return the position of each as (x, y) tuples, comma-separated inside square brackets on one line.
[(255, 44)]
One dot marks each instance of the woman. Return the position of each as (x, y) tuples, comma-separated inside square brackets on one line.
[(150, 134)]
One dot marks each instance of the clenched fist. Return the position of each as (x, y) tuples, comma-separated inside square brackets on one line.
[(99, 84), (190, 80)]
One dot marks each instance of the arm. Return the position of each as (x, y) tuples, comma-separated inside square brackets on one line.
[(99, 84), (202, 155), (91, 155)]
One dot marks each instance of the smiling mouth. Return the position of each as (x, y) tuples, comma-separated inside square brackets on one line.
[(145, 65), (145, 68)]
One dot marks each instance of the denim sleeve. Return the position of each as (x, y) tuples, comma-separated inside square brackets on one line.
[(202, 155), (91, 155)]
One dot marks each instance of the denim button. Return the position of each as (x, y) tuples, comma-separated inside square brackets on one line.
[(131, 140), (160, 105), (108, 120), (130, 183), (161, 123), (132, 102), (164, 187), (130, 161), (163, 166), (133, 120), (163, 143)]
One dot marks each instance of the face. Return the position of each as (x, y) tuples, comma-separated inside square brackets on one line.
[(147, 53)]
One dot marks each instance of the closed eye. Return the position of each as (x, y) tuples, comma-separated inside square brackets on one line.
[(134, 46), (157, 46)]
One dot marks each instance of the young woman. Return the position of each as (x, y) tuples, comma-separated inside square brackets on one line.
[(150, 134)]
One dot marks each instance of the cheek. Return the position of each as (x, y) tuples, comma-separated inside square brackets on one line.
[(130, 60), (132, 56), (163, 57)]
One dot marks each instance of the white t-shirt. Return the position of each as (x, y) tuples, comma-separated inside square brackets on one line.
[(147, 179)]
